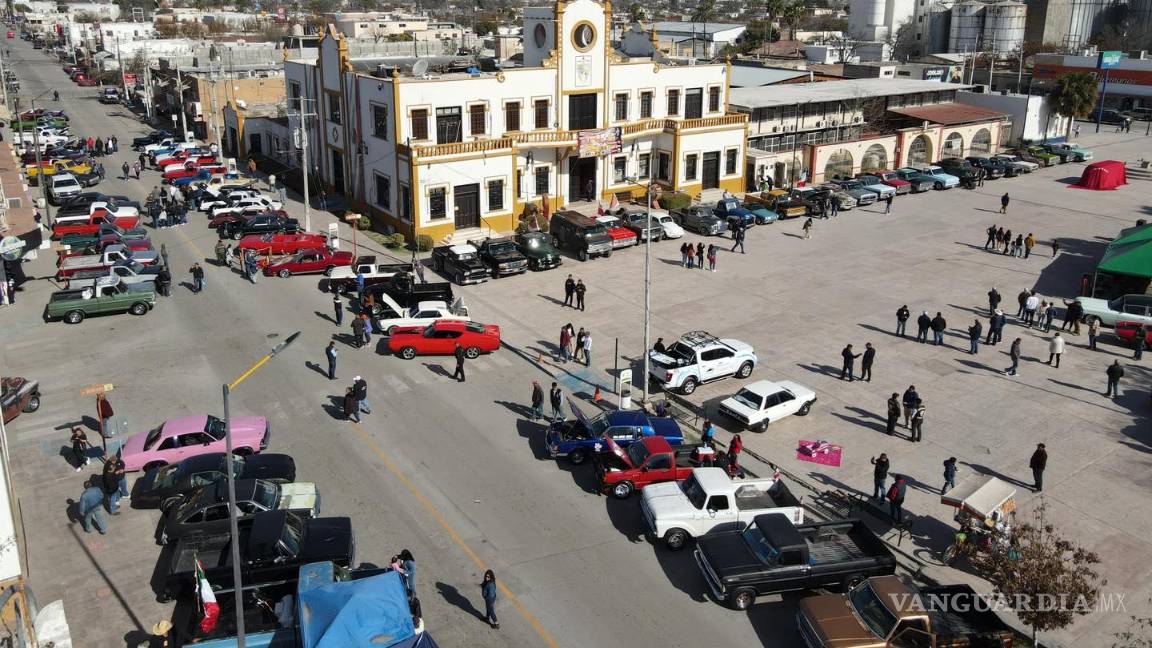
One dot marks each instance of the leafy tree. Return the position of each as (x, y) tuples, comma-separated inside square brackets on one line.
[(773, 9), (793, 14), (317, 7), (1074, 96), (1041, 565), (636, 12), (704, 12), (485, 27), (364, 5), (1139, 637), (138, 63)]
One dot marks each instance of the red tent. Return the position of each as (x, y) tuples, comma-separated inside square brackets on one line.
[(1102, 176)]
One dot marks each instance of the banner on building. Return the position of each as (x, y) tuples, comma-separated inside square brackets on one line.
[(129, 80), (598, 143)]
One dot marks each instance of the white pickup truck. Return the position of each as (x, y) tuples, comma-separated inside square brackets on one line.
[(422, 314), (710, 501), (700, 357)]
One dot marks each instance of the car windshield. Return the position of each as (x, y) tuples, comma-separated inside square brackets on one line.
[(153, 437), (214, 428), (851, 185), (694, 492), (598, 426), (66, 182), (871, 610), (292, 535), (764, 550), (534, 241), (748, 398), (681, 352), (637, 453), (595, 230), (267, 495), (167, 476)]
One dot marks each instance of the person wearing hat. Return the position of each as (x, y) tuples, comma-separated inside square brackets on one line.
[(159, 638), (360, 388)]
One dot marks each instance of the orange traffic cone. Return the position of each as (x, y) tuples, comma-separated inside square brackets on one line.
[(596, 396)]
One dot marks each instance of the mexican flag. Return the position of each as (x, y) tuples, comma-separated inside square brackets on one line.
[(207, 600)]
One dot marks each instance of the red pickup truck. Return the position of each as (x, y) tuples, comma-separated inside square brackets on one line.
[(651, 460), (91, 223), (189, 169)]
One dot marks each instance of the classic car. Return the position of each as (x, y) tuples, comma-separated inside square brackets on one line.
[(259, 224), (621, 236), (845, 200), (18, 395), (941, 178), (672, 229), (441, 338), (205, 511), (191, 169), (73, 306), (265, 244), (636, 219), (993, 168), (188, 436), (1069, 152), (1127, 308), (461, 262), (308, 261), (151, 138), (856, 189), (762, 214), (395, 317), (107, 232), (1017, 162), (919, 180), (537, 247), (960, 168), (761, 402), (1040, 155), (700, 219), (209, 202), (89, 197), (892, 179), (876, 185), (168, 486), (52, 167), (1126, 332)]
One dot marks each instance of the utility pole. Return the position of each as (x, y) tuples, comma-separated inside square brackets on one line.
[(120, 63), (180, 89), (4, 81), (303, 119)]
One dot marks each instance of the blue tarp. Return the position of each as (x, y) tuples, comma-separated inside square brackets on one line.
[(369, 612)]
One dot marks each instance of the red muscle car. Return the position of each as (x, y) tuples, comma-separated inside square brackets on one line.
[(442, 336), (1126, 331), (191, 168), (265, 244), (309, 261)]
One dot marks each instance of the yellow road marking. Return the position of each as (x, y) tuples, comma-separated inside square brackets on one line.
[(419, 497)]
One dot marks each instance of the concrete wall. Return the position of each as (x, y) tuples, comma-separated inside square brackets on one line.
[(1029, 114), (820, 155)]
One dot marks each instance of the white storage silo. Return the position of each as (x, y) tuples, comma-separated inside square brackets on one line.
[(967, 26), (1004, 26), (866, 19)]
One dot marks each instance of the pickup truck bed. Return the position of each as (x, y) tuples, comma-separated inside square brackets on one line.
[(750, 498)]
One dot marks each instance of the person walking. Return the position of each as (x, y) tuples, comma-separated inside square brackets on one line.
[(367, 328), (1038, 463), (849, 361), (917, 423), (80, 446), (1055, 248), (351, 406), (993, 299), (563, 353), (835, 204), (569, 290), (459, 374), (1030, 307), (807, 228), (991, 232), (164, 282), (556, 400), (1022, 298), (587, 348), (1029, 243), (866, 362), (104, 414), (888, 204), (974, 332), (1018, 246), (338, 308), (738, 239), (1004, 203), (1055, 350), (221, 250), (896, 498), (949, 475), (910, 400), (1115, 373), (893, 414), (711, 258), (1014, 354), (1139, 341), (197, 277), (1007, 242), (580, 290), (939, 325), (488, 593), (700, 255), (902, 315), (1093, 332), (879, 474), (537, 401), (357, 332), (91, 501), (1073, 311), (1049, 315), (922, 324), (330, 353), (360, 386), (126, 169)]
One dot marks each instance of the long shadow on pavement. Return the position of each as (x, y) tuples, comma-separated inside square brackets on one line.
[(534, 432), (452, 596), (871, 425), (682, 571), (625, 516)]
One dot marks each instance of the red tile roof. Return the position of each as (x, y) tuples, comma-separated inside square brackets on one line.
[(949, 114)]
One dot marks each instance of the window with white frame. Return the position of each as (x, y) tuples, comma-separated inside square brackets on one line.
[(384, 191), (620, 170), (496, 195), (690, 163), (380, 121), (438, 202), (644, 166)]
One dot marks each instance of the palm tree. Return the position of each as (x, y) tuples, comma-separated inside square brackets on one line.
[(793, 14), (636, 12), (1074, 96), (704, 12), (773, 8)]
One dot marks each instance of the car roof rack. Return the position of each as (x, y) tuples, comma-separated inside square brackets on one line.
[(700, 338)]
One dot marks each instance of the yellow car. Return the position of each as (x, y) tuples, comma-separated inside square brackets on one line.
[(52, 167)]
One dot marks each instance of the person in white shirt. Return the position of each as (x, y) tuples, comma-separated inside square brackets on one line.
[(1055, 348)]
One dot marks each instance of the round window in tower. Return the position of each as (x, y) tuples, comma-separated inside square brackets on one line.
[(584, 36), (540, 35)]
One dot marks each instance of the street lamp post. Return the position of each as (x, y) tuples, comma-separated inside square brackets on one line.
[(647, 288), (231, 477), (40, 175)]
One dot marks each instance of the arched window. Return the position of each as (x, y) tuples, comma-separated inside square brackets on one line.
[(982, 142), (953, 146), (839, 165), (920, 150), (875, 158)]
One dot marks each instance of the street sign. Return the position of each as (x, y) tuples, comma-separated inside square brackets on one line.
[(1108, 60), (94, 390), (351, 217), (11, 247)]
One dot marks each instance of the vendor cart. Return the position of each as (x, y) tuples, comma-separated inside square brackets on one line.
[(985, 510)]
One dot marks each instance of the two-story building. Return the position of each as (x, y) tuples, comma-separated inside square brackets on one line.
[(433, 153)]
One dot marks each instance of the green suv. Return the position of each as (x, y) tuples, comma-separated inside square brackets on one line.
[(73, 306)]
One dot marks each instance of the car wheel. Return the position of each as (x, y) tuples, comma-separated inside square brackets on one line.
[(284, 274), (689, 386), (804, 409), (154, 464), (675, 539), (760, 427), (471, 353), (328, 271), (938, 186), (408, 353), (608, 254), (744, 371), (74, 317), (459, 278), (236, 236), (742, 599), (623, 490), (139, 308), (390, 330), (578, 457), (582, 255), (33, 404)]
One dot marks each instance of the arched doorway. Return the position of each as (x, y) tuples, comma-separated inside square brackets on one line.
[(839, 165), (875, 158), (920, 150), (982, 142), (953, 146)]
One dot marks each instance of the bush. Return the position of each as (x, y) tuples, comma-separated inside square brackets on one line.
[(675, 200), (396, 241), (382, 239), (424, 243)]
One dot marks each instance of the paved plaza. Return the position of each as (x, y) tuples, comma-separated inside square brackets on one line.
[(457, 474)]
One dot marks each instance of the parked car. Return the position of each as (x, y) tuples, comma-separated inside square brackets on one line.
[(501, 256), (205, 511), (700, 219), (941, 179), (876, 185), (1063, 155), (993, 169), (761, 402), (188, 436), (309, 261), (856, 189), (734, 213), (259, 224), (580, 234), (650, 460), (345, 278), (1109, 116), (892, 179), (537, 248), (959, 167), (265, 244), (393, 316), (1126, 332), (1014, 161), (1128, 308), (771, 556), (1076, 154), (441, 338), (62, 187), (581, 438), (151, 138), (699, 357), (460, 262), (73, 306), (671, 229), (844, 199), (1040, 156), (405, 291), (18, 395), (621, 236), (128, 273), (636, 219), (168, 486)]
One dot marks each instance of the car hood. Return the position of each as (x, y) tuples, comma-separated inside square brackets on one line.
[(328, 538), (132, 449), (300, 496), (666, 500), (834, 623), (727, 554), (249, 428), (269, 466)]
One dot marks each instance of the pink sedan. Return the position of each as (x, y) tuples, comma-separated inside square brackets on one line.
[(189, 436)]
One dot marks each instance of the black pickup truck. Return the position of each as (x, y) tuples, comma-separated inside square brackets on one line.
[(501, 256), (407, 292), (461, 262), (771, 556), (273, 546)]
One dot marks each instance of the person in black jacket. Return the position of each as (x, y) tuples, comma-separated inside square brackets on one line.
[(866, 362), (1115, 373), (537, 401), (993, 299), (922, 324), (939, 325), (569, 290), (893, 413), (849, 362), (556, 399), (902, 315), (879, 474), (1038, 463), (459, 375), (974, 332), (351, 406), (910, 401)]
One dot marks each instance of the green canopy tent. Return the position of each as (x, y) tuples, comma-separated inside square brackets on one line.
[(1126, 266)]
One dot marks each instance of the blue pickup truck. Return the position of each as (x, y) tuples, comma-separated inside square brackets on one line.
[(580, 439)]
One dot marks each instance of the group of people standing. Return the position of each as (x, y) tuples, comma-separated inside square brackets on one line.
[(692, 256), (574, 344), (1000, 240)]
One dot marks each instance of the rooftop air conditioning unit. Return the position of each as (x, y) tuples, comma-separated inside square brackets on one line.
[(775, 129), (855, 120), (819, 124)]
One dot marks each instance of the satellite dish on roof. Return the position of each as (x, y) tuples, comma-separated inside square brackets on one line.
[(420, 68)]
